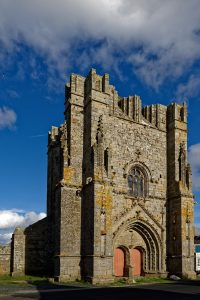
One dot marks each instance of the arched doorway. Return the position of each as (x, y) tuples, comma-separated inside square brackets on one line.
[(136, 261), (119, 262), (148, 255)]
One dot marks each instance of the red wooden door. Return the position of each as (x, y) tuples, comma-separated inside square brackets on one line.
[(136, 261), (119, 262)]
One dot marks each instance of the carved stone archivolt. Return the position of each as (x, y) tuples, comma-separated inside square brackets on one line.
[(152, 255)]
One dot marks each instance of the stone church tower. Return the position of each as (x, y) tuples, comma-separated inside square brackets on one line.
[(119, 200)]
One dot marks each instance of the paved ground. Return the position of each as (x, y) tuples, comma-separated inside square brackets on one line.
[(190, 290)]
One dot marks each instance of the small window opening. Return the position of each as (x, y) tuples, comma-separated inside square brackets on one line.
[(106, 160)]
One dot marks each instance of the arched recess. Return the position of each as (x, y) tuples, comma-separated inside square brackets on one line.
[(119, 261), (151, 257), (136, 259)]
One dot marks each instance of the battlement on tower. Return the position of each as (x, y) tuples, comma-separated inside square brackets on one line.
[(95, 87), (81, 85), (177, 112)]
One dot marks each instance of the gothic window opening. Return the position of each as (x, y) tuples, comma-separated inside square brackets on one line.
[(136, 183)]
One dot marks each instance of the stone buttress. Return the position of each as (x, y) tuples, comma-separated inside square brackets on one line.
[(180, 211)]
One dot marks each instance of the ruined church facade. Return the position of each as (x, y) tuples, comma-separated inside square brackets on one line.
[(119, 192)]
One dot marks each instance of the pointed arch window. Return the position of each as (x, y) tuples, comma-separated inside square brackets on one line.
[(136, 183)]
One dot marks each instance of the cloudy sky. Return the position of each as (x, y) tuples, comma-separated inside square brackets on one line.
[(149, 47)]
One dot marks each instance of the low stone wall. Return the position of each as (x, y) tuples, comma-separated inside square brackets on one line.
[(29, 251), (37, 248), (5, 259)]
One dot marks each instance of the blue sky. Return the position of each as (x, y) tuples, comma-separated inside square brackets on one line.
[(149, 47)]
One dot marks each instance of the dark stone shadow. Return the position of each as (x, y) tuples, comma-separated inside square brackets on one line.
[(38, 289), (87, 204), (188, 282), (107, 293)]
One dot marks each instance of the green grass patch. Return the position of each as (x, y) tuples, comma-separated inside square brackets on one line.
[(119, 282), (152, 280), (37, 281), (139, 280), (23, 280)]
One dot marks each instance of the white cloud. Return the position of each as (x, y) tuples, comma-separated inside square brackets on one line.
[(7, 118), (5, 238), (194, 158), (9, 219), (13, 218), (190, 89), (165, 34)]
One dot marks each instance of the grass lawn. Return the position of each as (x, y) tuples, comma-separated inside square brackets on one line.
[(22, 280), (140, 280), (27, 281)]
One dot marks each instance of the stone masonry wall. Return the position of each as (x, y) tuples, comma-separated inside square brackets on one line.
[(5, 253), (38, 256)]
